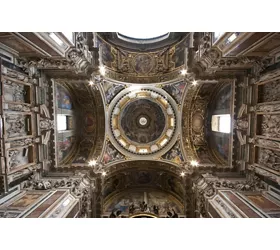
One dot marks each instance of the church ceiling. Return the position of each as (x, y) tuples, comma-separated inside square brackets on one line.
[(138, 116)]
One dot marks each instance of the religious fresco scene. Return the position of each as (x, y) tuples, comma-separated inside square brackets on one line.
[(107, 125)]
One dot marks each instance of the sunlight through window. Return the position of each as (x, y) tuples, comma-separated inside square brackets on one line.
[(221, 123), (61, 122), (56, 38)]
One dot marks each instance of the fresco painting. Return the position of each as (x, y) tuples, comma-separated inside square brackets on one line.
[(176, 90), (63, 98), (222, 146), (111, 90), (111, 154), (164, 202), (174, 154), (223, 98), (89, 123), (64, 146)]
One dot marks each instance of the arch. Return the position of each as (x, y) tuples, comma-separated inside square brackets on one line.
[(127, 182), (155, 200)]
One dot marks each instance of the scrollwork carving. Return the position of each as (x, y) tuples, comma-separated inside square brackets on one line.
[(268, 143), (271, 92), (24, 142), (19, 107), (268, 107), (270, 159), (48, 64), (13, 161), (16, 124), (271, 126)]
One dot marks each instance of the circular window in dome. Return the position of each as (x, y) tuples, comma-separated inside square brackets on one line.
[(143, 37), (143, 34)]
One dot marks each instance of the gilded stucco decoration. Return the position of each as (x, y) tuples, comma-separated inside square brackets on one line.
[(174, 155), (142, 67)]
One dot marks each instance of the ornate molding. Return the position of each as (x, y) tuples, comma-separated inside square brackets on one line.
[(225, 207), (207, 186), (79, 186), (210, 58), (46, 63)]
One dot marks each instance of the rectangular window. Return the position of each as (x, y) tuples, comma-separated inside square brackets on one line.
[(221, 123), (61, 122), (232, 37)]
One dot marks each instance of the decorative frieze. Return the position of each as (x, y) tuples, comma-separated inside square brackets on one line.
[(19, 107), (46, 63), (24, 142), (268, 107), (269, 158), (267, 143)]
